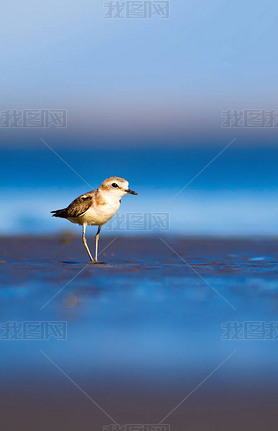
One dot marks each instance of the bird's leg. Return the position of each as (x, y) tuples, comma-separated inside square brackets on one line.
[(85, 242), (97, 237)]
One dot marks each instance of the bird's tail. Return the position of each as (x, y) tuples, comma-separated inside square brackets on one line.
[(60, 213)]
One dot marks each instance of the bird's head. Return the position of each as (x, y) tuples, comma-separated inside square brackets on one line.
[(116, 186)]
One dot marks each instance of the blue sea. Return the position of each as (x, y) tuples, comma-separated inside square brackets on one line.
[(236, 195)]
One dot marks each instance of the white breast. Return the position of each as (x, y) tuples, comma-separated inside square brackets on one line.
[(98, 215)]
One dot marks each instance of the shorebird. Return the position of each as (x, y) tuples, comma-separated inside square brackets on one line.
[(96, 208)]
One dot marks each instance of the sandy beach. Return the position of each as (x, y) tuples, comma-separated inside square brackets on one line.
[(144, 333)]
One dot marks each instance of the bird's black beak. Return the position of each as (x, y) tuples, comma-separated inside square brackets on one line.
[(131, 192)]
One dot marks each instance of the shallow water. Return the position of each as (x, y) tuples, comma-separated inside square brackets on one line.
[(143, 332)]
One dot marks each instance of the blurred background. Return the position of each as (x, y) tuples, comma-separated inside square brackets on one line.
[(185, 108), (149, 100)]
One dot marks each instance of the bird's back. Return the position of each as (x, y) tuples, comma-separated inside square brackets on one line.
[(77, 207)]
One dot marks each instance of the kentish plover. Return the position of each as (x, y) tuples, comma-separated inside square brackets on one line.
[(96, 207)]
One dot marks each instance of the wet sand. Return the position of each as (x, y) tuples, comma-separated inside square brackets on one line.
[(143, 334)]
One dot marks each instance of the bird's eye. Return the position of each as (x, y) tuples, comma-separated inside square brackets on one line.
[(114, 185)]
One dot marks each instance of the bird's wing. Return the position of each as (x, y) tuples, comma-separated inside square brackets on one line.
[(81, 204)]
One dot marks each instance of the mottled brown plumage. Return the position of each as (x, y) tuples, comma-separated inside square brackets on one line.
[(79, 206)]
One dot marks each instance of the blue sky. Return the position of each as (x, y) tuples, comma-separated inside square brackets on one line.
[(136, 74)]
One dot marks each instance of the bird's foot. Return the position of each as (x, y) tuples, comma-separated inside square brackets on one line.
[(97, 262)]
